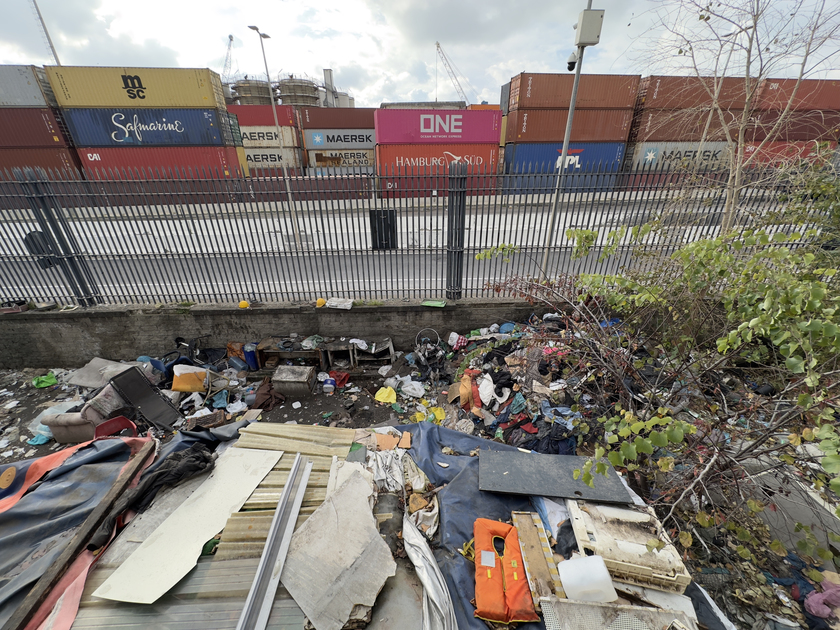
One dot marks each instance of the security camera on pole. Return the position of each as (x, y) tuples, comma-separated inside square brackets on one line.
[(587, 33)]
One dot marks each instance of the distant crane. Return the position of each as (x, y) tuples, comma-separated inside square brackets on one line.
[(448, 65), (228, 61), (44, 32)]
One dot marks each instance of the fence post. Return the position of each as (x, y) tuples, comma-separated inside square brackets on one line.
[(58, 239), (456, 227)]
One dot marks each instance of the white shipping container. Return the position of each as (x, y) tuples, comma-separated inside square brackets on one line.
[(25, 86), (341, 158), (674, 155), (272, 158), (317, 139), (268, 137)]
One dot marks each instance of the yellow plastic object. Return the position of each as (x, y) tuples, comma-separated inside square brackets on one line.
[(244, 304), (386, 395), (320, 302), (440, 414), (189, 382)]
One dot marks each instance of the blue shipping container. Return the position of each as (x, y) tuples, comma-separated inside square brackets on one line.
[(144, 127), (589, 166)]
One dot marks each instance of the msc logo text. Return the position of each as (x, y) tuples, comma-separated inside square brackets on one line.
[(133, 86)]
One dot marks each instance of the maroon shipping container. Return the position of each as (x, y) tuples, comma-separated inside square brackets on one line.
[(812, 94), (549, 125), (336, 117), (789, 153), (56, 159), (798, 125), (685, 125), (30, 127), (261, 115), (554, 91), (661, 92), (210, 162)]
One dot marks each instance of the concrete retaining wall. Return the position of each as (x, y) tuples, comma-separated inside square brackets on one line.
[(71, 339)]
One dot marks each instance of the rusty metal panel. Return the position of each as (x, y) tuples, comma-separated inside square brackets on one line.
[(57, 159), (812, 94), (549, 125), (262, 116), (84, 86), (663, 92), (554, 91)]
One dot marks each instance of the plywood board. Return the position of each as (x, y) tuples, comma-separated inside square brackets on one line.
[(173, 549), (515, 472), (542, 573)]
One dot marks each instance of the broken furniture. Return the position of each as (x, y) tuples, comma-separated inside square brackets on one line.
[(153, 406), (379, 351), (515, 472), (341, 351), (275, 349), (294, 381), (81, 426)]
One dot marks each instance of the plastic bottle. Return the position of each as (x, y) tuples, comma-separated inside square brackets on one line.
[(329, 385)]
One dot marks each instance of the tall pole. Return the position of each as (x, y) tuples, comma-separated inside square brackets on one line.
[(46, 32), (279, 140), (561, 177)]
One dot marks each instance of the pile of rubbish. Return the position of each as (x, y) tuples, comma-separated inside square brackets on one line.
[(476, 482)]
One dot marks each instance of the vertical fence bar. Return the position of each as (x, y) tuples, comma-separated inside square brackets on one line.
[(455, 231)]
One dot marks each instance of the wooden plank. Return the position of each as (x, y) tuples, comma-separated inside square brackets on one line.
[(262, 442), (77, 544), (539, 577), (304, 432)]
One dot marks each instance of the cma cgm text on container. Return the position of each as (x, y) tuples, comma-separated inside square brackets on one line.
[(429, 126), (106, 127), (79, 86)]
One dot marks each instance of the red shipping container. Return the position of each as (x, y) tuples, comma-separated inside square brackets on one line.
[(661, 92), (336, 117), (204, 162), (57, 159), (484, 107), (30, 127), (261, 115), (799, 125), (811, 94), (789, 153), (686, 125), (554, 91), (549, 125), (437, 126)]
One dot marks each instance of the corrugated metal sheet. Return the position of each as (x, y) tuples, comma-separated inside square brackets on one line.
[(243, 161), (235, 131), (503, 134), (272, 158), (504, 99), (674, 155), (331, 171), (55, 159), (261, 116), (419, 156), (484, 107), (25, 86), (316, 139), (83, 86), (799, 125), (789, 153), (554, 91), (106, 127), (658, 125), (209, 161), (419, 126), (811, 94), (549, 125), (266, 136), (30, 127), (341, 157), (336, 117), (663, 92), (543, 157)]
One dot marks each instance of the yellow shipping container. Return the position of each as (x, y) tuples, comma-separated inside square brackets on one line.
[(243, 162), (84, 86), (504, 131)]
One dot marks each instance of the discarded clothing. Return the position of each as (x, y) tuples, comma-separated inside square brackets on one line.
[(821, 604), (266, 398)]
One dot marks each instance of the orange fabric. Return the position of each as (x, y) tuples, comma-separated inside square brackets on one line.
[(38, 469), (501, 591)]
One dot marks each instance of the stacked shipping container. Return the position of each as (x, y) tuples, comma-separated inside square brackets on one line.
[(32, 133), (538, 108), (338, 140), (147, 121), (267, 149)]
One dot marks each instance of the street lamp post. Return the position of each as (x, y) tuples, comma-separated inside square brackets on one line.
[(588, 34), (279, 137)]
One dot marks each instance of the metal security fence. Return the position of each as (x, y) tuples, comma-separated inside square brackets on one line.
[(163, 237)]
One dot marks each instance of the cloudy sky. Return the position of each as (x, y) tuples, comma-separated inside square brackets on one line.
[(380, 50)]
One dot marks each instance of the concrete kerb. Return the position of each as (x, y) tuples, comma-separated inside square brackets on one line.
[(70, 339)]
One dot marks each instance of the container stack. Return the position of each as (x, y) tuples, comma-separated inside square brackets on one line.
[(674, 125), (338, 140), (538, 108), (146, 122), (267, 150), (32, 133)]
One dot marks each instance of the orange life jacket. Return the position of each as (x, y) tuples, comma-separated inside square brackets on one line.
[(501, 586)]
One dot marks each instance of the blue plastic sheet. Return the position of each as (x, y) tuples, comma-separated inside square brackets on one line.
[(36, 530), (461, 503)]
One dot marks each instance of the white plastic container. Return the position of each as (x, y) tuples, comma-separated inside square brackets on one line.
[(587, 579)]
